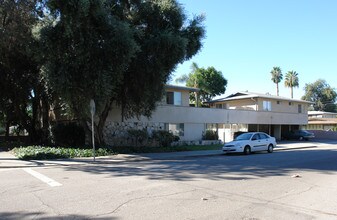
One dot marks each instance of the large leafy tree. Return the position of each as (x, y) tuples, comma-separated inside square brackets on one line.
[(322, 95), (210, 82), (291, 81), (116, 51), (23, 99), (276, 77), (166, 38)]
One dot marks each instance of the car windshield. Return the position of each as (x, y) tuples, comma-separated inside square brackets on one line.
[(245, 136)]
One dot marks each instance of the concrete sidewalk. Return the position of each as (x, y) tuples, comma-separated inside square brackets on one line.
[(8, 160)]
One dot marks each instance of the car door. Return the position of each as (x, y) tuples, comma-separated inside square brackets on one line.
[(255, 142), (264, 141)]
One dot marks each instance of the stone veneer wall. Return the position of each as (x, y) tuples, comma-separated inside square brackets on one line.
[(116, 133)]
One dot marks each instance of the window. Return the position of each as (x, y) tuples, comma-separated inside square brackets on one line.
[(255, 137), (218, 105), (173, 98), (267, 105), (169, 98), (278, 102), (177, 98), (299, 108), (263, 136), (176, 129), (290, 103)]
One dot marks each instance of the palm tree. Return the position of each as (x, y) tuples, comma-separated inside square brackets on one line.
[(276, 77), (291, 81)]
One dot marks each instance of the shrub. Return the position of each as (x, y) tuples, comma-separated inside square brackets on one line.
[(70, 134), (210, 135), (164, 138), (139, 136), (41, 153)]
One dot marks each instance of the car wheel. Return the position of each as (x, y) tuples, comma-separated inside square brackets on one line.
[(300, 138), (247, 150), (270, 148)]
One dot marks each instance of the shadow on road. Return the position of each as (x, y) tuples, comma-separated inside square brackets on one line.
[(39, 216), (221, 167)]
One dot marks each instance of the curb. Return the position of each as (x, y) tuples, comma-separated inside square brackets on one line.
[(39, 163), (293, 148)]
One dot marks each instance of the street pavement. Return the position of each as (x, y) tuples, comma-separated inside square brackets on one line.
[(297, 182), (8, 160)]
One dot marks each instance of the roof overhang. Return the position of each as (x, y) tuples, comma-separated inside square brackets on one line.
[(249, 95), (185, 88)]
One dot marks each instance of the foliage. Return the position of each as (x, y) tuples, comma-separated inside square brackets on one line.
[(165, 38), (86, 52), (160, 149), (43, 153), (210, 135), (164, 138), (101, 49), (210, 82), (139, 136), (291, 81), (276, 77), (69, 134), (23, 95), (322, 94)]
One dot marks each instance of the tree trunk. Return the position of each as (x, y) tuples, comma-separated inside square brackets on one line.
[(277, 89), (101, 123), (7, 130), (291, 91), (45, 119)]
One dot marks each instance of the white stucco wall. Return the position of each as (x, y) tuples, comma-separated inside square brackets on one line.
[(194, 119)]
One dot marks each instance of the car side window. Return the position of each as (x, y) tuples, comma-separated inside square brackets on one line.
[(255, 137), (263, 136)]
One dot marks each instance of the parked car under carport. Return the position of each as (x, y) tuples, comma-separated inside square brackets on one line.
[(298, 135)]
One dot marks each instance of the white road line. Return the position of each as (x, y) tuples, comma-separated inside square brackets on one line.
[(42, 177)]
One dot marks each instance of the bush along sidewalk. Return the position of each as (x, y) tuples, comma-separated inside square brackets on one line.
[(43, 153)]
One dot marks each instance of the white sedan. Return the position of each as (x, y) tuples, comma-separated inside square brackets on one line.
[(250, 142)]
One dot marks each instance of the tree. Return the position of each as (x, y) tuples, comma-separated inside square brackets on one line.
[(322, 94), (116, 52), (166, 38), (23, 99), (291, 81), (276, 77), (210, 82)]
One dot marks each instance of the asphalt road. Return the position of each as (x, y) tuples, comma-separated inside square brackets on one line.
[(296, 184)]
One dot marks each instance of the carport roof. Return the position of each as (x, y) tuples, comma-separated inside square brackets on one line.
[(322, 121)]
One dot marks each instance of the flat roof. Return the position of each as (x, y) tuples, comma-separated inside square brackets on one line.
[(247, 95), (191, 89), (321, 113)]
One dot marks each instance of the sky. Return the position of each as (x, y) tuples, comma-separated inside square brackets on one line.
[(245, 39)]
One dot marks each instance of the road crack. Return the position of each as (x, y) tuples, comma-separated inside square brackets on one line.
[(144, 197)]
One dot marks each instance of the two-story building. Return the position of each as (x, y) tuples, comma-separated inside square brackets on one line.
[(241, 111)]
